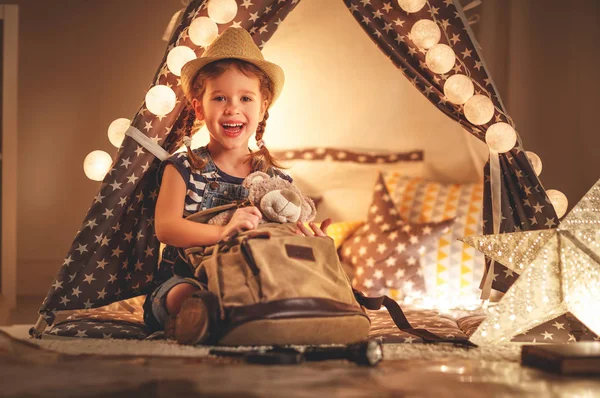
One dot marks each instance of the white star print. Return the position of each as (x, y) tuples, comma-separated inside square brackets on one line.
[(76, 292), (89, 278), (82, 249), (91, 223)]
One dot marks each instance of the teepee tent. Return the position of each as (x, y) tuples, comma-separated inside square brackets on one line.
[(115, 253)]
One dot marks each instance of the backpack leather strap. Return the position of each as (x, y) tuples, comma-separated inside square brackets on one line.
[(395, 311)]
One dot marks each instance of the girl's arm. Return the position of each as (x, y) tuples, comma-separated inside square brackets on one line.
[(174, 230), (171, 228)]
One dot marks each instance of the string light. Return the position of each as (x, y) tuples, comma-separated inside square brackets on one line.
[(160, 100), (96, 164), (411, 6), (116, 131), (536, 162), (203, 31), (479, 109), (501, 137), (179, 56), (425, 33), (222, 11), (440, 58), (458, 89), (559, 201)]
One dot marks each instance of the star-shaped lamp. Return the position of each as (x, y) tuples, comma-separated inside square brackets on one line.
[(559, 273)]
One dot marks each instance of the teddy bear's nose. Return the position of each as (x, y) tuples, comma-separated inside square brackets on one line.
[(291, 196)]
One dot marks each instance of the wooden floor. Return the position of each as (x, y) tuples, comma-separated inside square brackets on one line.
[(26, 370)]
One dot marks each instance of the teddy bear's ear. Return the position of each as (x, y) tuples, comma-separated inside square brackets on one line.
[(255, 177), (309, 210)]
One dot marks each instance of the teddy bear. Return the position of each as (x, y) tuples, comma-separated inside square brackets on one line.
[(278, 200)]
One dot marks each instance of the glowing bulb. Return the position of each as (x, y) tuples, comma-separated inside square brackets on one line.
[(479, 109), (160, 100), (425, 33), (559, 201), (116, 131), (501, 137), (203, 31), (411, 5), (222, 11), (96, 164), (536, 162), (440, 58), (458, 89), (178, 57)]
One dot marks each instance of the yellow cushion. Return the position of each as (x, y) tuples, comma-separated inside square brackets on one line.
[(340, 231)]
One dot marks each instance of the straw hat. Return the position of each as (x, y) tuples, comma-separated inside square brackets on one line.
[(232, 43)]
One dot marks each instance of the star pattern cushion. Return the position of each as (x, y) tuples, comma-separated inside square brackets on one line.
[(386, 251), (453, 270)]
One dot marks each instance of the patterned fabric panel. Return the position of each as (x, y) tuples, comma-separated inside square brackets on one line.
[(564, 329), (453, 270), (384, 328), (345, 155), (386, 251), (101, 324)]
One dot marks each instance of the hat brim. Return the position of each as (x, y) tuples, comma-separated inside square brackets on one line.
[(190, 71)]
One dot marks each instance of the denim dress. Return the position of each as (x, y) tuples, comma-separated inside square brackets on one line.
[(208, 188)]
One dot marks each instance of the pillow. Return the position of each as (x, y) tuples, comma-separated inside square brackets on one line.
[(344, 178), (453, 270), (386, 251)]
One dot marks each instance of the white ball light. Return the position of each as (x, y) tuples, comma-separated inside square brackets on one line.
[(479, 109), (96, 165), (440, 58), (222, 11), (536, 162), (458, 89), (501, 137), (160, 100), (116, 131), (411, 5), (203, 31), (559, 201), (178, 57), (425, 33)]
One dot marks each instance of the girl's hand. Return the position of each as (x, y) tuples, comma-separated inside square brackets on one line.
[(316, 231), (244, 218)]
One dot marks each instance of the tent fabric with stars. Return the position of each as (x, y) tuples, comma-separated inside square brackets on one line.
[(114, 256)]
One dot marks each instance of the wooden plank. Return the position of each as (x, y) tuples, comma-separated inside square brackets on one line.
[(8, 289)]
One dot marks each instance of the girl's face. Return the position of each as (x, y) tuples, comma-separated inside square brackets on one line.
[(232, 106)]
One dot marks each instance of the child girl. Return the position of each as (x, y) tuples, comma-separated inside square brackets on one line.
[(230, 88)]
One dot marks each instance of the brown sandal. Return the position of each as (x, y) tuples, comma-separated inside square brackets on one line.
[(197, 319)]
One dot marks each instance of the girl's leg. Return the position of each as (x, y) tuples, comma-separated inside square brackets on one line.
[(177, 295)]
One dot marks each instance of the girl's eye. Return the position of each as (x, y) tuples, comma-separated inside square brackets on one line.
[(246, 99), (219, 98)]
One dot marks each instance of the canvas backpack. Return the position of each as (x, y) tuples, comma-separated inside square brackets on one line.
[(277, 287)]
